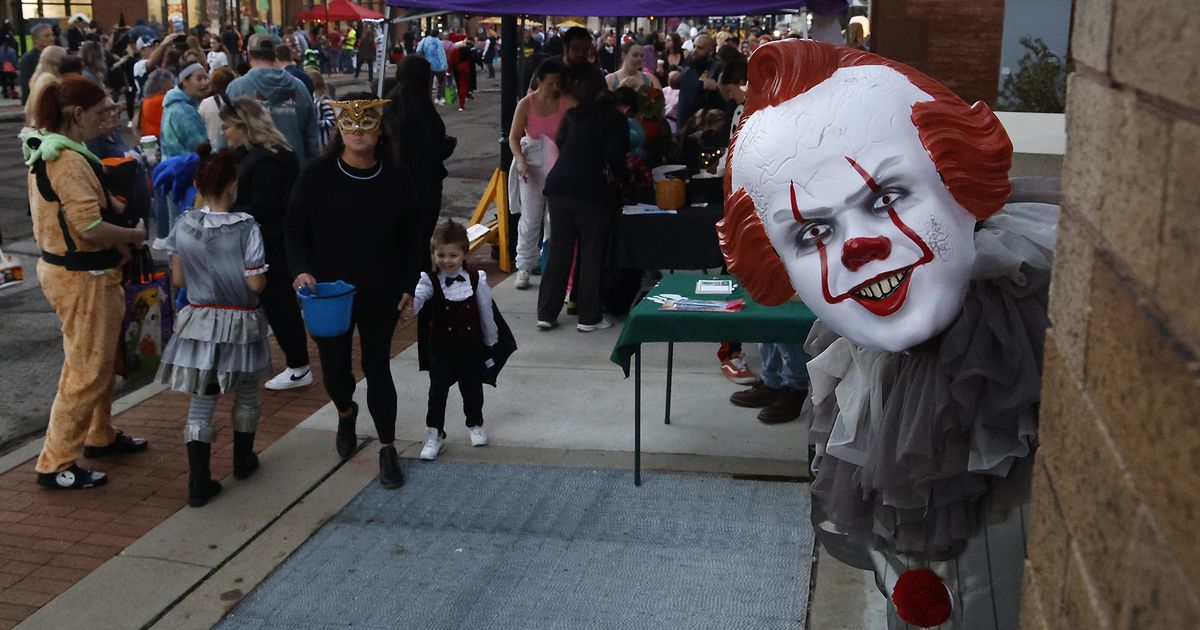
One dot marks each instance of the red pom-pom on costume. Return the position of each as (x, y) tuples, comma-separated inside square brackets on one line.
[(922, 599)]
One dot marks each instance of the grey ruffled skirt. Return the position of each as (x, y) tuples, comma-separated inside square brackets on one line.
[(215, 346)]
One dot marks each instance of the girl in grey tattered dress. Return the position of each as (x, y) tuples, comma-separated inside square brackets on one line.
[(220, 341)]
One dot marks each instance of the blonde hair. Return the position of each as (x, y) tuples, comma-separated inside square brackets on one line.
[(44, 74), (318, 82), (246, 113)]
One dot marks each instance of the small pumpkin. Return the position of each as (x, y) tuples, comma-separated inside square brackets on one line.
[(670, 194)]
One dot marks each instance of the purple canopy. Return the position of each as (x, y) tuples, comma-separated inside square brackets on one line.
[(623, 7)]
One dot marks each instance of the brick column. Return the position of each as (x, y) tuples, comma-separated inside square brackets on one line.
[(956, 42), (1116, 492)]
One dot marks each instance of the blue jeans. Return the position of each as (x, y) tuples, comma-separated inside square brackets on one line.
[(784, 365), (162, 215)]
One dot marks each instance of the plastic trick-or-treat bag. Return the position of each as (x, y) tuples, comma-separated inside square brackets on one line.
[(149, 318), (11, 273)]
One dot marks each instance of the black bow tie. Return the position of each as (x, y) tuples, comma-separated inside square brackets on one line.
[(452, 279)]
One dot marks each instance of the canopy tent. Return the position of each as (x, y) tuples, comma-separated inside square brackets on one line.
[(623, 7), (339, 11)]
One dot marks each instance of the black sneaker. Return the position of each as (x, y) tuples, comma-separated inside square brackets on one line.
[(121, 445), (73, 478)]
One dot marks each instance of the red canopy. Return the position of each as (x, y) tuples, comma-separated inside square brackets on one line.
[(339, 11)]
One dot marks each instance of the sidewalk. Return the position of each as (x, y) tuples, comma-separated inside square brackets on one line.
[(49, 540)]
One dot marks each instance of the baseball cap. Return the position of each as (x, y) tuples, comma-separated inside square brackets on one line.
[(261, 42), (145, 41)]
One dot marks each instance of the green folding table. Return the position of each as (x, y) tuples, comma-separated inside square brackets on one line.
[(646, 323)]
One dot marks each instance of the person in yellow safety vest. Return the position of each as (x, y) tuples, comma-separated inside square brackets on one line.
[(349, 48)]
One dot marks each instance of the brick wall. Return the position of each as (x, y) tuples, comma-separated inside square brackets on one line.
[(1116, 493), (956, 42)]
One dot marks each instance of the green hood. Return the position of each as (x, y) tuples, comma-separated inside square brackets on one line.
[(37, 144)]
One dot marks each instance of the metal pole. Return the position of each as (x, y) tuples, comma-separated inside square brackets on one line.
[(386, 25), (510, 78)]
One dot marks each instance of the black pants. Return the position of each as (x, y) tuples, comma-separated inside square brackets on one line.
[(450, 364), (370, 69), (283, 313), (589, 223), (375, 323)]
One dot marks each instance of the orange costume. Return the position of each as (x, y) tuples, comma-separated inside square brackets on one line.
[(89, 303)]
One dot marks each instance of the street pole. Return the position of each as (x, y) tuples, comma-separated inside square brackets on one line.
[(509, 83)]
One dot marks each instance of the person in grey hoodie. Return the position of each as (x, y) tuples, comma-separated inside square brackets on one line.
[(282, 95)]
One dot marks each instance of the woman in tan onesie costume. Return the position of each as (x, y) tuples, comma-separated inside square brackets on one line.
[(80, 276)]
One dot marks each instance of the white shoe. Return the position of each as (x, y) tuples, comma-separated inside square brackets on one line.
[(159, 243), (545, 325), (522, 281), (478, 436), (291, 378), (434, 444), (605, 322)]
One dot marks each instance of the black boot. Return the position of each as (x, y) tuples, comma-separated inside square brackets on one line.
[(201, 486), (390, 476), (245, 462), (347, 440)]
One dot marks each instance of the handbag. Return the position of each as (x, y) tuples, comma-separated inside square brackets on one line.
[(451, 93), (149, 319)]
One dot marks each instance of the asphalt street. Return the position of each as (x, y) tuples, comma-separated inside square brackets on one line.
[(30, 344)]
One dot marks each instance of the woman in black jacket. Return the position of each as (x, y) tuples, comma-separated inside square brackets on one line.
[(583, 198), (417, 127), (267, 169), (351, 218)]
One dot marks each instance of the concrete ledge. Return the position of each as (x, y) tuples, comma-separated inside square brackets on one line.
[(844, 598)]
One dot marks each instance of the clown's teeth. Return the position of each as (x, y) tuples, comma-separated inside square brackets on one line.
[(882, 288)]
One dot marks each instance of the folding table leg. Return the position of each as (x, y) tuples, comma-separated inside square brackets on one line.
[(637, 416), (670, 365)]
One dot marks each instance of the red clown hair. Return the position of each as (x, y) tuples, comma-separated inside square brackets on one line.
[(969, 147)]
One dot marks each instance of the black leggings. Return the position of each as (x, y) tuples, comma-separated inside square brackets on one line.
[(283, 313), (375, 323)]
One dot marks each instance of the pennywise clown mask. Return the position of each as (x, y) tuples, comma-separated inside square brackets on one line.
[(359, 116), (872, 240)]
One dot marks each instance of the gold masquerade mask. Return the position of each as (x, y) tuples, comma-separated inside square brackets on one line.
[(359, 116)]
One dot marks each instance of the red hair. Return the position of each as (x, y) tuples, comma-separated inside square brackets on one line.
[(969, 147), (49, 112)]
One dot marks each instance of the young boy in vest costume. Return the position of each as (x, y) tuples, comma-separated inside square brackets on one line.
[(456, 335)]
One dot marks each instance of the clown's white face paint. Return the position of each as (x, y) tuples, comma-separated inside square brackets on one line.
[(872, 240)]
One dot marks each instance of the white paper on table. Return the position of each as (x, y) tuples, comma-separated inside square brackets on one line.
[(645, 208)]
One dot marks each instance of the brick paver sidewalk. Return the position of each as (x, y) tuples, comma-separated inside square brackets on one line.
[(49, 540)]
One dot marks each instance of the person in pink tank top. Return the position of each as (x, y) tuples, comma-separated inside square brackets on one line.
[(532, 141)]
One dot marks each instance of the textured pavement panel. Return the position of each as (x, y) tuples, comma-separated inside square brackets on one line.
[(507, 547)]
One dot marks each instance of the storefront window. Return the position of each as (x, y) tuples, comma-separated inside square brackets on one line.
[(55, 8)]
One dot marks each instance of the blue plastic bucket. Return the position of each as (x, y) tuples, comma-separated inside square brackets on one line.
[(327, 310)]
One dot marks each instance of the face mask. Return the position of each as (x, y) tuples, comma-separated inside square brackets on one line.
[(872, 240), (359, 116)]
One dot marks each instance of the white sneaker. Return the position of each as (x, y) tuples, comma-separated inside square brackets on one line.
[(545, 325), (434, 444), (605, 322), (291, 378), (478, 436), (159, 243), (522, 281)]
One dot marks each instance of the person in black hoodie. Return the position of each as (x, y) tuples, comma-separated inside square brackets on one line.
[(351, 217), (267, 169), (416, 125), (583, 197)]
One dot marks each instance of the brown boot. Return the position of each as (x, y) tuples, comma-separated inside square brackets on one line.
[(758, 396), (785, 408)]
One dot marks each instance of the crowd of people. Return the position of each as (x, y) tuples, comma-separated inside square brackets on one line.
[(250, 152)]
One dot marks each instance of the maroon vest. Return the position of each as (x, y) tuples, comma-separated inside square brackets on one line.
[(453, 322)]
